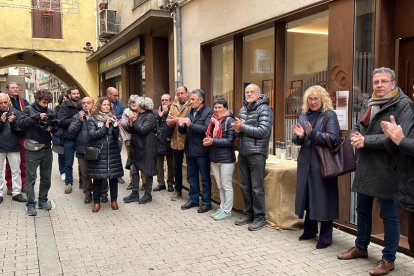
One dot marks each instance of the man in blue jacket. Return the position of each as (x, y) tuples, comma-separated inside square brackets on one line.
[(198, 161)]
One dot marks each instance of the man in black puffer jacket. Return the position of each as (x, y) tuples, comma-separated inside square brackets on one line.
[(38, 122), (254, 128)]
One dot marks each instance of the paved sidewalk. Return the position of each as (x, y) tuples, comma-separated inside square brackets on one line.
[(159, 238)]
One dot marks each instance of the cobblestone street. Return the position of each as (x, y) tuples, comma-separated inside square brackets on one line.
[(159, 238)]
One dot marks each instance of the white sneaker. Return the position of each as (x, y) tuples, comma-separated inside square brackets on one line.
[(219, 210), (63, 176), (222, 216)]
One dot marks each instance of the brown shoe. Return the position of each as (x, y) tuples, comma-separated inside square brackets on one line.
[(352, 253), (96, 207), (114, 205), (382, 268)]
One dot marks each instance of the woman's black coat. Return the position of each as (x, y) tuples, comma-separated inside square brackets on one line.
[(144, 143), (109, 164), (322, 193)]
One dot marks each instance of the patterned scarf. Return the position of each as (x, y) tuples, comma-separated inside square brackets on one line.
[(103, 117), (374, 105), (215, 130)]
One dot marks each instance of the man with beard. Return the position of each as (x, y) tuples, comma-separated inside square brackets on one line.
[(68, 109)]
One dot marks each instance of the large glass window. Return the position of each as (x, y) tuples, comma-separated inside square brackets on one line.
[(223, 72), (258, 61), (306, 62)]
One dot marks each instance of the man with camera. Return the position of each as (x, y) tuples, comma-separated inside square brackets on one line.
[(10, 148), (38, 122), (69, 108)]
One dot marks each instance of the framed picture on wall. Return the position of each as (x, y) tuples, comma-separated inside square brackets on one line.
[(296, 84)]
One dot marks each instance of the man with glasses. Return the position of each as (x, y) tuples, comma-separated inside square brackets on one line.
[(18, 102), (113, 95), (9, 147), (38, 123), (375, 173), (179, 109), (253, 127)]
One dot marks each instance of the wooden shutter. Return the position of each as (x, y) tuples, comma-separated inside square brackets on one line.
[(46, 24)]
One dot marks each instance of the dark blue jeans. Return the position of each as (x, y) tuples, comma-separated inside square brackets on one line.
[(252, 170), (69, 146), (196, 165), (389, 215)]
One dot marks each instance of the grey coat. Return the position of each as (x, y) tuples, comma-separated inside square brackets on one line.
[(256, 131), (322, 193), (376, 167)]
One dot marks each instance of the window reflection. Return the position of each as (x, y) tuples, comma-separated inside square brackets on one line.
[(223, 72)]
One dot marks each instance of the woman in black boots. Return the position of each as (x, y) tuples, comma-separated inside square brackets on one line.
[(143, 155)]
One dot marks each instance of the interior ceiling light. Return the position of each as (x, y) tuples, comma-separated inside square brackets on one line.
[(308, 31)]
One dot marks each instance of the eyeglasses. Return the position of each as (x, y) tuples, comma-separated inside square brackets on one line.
[(164, 100), (313, 100), (381, 82), (4, 103), (250, 92)]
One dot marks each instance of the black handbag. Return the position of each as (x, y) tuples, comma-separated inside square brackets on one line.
[(92, 153), (336, 159)]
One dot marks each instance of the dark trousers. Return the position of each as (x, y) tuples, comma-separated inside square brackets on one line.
[(69, 146), (8, 175), (61, 162), (310, 229), (160, 169), (43, 159), (178, 157), (87, 181), (97, 189), (411, 232), (252, 169), (389, 215)]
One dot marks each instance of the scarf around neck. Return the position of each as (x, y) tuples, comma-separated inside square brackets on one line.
[(215, 130), (103, 117), (375, 104)]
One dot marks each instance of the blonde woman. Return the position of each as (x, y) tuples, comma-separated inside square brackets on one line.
[(316, 195)]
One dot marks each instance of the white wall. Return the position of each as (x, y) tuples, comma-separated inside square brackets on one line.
[(204, 20)]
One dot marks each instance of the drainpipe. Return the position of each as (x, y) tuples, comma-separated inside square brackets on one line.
[(179, 45)]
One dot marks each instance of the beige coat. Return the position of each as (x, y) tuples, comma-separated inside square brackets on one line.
[(178, 139)]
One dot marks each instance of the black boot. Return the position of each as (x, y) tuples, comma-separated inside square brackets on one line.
[(133, 197), (146, 198)]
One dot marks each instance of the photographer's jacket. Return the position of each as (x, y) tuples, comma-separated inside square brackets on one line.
[(10, 132), (29, 120), (66, 115)]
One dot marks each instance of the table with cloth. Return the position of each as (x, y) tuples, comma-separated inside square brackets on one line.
[(280, 190)]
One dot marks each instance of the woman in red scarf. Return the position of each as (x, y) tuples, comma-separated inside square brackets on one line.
[(219, 137)]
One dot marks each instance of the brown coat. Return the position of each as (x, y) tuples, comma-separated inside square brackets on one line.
[(178, 139)]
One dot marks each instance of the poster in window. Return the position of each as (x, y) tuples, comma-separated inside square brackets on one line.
[(263, 61)]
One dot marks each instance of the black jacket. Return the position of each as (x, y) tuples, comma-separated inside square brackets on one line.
[(10, 132), (221, 151), (19, 103), (196, 131), (57, 136), (79, 129), (109, 164), (164, 133), (29, 120), (255, 132), (144, 143), (68, 109)]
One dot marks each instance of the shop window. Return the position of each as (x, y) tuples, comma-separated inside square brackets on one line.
[(306, 62), (47, 23), (223, 72), (258, 65)]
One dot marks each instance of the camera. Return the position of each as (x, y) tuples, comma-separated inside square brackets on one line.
[(50, 121)]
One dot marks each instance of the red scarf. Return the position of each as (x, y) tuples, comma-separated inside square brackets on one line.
[(215, 130)]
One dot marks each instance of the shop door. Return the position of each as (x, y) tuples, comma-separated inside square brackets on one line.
[(406, 65)]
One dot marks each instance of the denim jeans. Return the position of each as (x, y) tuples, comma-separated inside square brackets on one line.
[(69, 146), (178, 157), (196, 165), (389, 215), (252, 170), (223, 174), (43, 159)]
